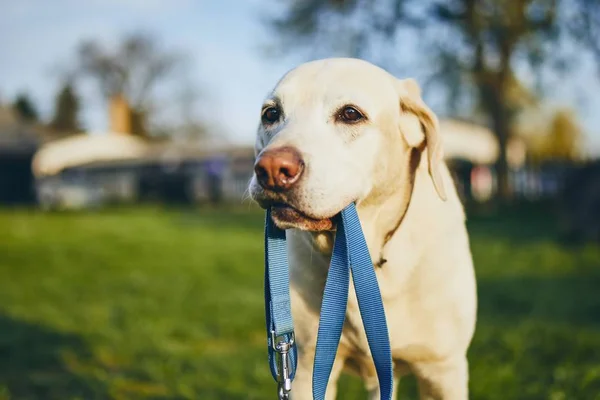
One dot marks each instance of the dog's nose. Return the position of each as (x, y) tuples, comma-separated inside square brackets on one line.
[(279, 169)]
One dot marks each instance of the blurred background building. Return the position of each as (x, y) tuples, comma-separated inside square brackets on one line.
[(91, 170)]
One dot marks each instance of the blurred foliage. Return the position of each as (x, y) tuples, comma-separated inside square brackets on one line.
[(585, 25), (138, 68), (25, 108), (149, 303), (133, 69), (557, 137), (187, 125), (66, 110)]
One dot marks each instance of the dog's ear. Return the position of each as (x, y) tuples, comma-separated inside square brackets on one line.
[(419, 124)]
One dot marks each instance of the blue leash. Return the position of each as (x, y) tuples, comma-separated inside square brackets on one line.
[(350, 253), (280, 326)]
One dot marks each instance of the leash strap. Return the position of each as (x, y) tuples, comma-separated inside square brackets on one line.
[(350, 254), (280, 326)]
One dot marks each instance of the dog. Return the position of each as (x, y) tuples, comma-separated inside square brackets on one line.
[(342, 130)]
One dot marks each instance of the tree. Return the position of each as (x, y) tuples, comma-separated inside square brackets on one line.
[(179, 118), (585, 26), (564, 137), (66, 110), (25, 108), (475, 44), (553, 136), (134, 69)]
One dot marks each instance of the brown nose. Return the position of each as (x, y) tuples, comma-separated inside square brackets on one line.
[(279, 169)]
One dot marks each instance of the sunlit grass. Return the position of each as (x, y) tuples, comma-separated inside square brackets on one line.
[(165, 304)]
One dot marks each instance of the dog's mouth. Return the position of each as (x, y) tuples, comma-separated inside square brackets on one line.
[(285, 217)]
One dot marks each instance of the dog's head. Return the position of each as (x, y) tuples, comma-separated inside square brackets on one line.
[(337, 131)]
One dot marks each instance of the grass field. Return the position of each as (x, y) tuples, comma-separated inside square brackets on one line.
[(167, 304)]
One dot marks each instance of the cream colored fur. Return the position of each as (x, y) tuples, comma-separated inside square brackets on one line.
[(427, 282)]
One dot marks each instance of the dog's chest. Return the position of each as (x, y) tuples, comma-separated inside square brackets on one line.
[(308, 273), (394, 280)]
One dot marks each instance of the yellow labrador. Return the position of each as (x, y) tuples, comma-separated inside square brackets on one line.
[(340, 130)]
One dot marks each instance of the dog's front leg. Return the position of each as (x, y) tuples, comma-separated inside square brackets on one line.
[(443, 380), (302, 385)]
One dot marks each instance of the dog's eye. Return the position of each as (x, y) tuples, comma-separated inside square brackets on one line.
[(271, 115), (350, 114)]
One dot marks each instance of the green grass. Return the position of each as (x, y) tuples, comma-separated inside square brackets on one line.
[(166, 304)]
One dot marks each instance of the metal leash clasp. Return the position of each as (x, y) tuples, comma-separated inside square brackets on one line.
[(282, 347)]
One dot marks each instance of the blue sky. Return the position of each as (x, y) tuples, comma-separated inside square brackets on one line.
[(223, 38)]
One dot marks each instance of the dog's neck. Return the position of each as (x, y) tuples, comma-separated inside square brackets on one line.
[(382, 212), (404, 227)]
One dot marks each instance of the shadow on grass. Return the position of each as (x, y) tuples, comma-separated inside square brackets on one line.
[(567, 299), (537, 338), (538, 324), (33, 364), (520, 224)]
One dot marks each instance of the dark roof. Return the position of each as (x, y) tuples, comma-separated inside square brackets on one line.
[(17, 136)]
